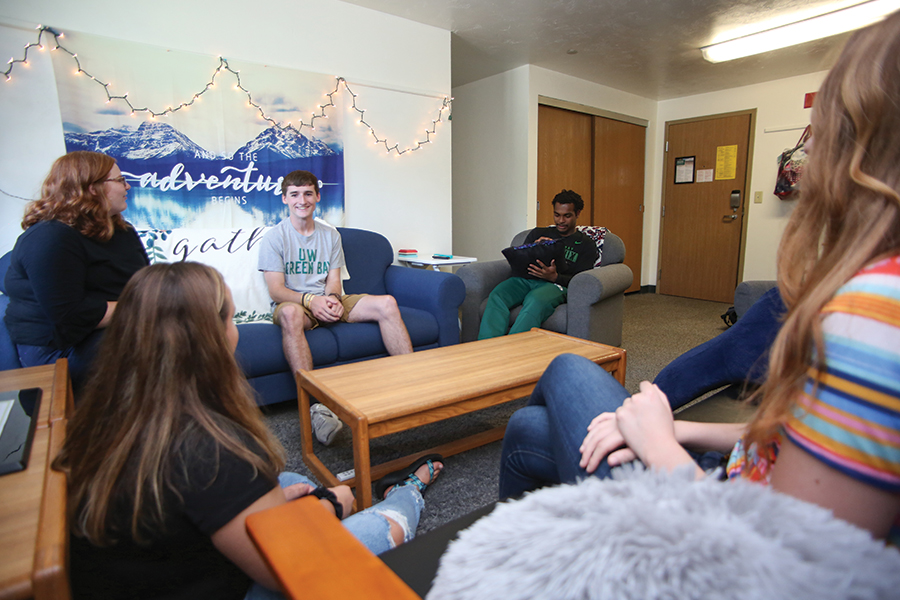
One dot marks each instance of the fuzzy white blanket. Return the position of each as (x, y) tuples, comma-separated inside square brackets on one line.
[(645, 535)]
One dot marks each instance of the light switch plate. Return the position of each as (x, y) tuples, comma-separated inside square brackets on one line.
[(757, 197)]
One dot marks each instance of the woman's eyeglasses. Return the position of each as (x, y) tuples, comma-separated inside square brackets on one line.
[(119, 179)]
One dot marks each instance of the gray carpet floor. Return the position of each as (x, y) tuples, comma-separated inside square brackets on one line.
[(656, 330)]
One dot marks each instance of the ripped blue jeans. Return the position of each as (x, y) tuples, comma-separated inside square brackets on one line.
[(402, 505)]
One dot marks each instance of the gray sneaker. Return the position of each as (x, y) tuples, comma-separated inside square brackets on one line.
[(325, 423)]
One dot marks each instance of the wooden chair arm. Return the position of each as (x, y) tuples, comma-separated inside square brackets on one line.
[(313, 556)]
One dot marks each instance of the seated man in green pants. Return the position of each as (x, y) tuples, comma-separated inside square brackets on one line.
[(547, 285)]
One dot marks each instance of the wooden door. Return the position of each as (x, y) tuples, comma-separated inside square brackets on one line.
[(564, 159), (700, 233), (618, 202)]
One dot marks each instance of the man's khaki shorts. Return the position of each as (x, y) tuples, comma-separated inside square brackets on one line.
[(347, 300)]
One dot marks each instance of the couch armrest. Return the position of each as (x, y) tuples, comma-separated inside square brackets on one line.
[(595, 303), (748, 292), (437, 293), (480, 279), (595, 285)]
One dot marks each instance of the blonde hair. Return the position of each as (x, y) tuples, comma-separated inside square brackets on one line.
[(164, 373), (72, 193), (848, 214)]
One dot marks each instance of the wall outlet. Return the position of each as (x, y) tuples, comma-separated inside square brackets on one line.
[(757, 197)]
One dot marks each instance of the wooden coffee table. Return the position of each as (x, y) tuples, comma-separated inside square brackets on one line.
[(395, 393)]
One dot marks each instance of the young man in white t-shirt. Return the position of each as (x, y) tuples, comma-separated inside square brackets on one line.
[(301, 260)]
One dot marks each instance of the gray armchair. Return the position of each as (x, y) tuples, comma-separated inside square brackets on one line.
[(595, 303)]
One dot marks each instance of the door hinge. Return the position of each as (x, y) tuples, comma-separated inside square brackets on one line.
[(641, 208), (539, 205), (667, 145), (664, 210)]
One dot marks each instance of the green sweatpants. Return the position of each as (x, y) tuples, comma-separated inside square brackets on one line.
[(538, 299)]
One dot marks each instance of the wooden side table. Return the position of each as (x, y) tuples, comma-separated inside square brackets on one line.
[(436, 263), (33, 528)]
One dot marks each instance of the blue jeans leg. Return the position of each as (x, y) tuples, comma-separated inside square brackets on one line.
[(80, 357), (403, 505), (738, 354), (542, 440)]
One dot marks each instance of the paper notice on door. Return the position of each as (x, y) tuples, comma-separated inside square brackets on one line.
[(684, 169), (726, 162), (704, 175)]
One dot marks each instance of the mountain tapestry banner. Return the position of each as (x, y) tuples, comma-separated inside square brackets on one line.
[(215, 162)]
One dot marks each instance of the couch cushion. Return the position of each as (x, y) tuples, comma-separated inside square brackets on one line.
[(259, 350), (361, 340), (368, 255), (4, 267), (9, 357)]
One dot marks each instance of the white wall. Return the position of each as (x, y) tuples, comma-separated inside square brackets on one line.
[(406, 198), (779, 105), (490, 163)]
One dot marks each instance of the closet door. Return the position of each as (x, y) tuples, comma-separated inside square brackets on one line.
[(564, 160), (619, 186)]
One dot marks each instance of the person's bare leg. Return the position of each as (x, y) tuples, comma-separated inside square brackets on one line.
[(294, 322), (422, 473), (384, 311)]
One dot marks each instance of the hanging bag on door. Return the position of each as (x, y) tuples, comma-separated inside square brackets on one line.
[(790, 166)]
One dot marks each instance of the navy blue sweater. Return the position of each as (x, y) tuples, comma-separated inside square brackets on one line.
[(59, 282)]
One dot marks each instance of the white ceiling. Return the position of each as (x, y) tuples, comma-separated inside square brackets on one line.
[(646, 47)]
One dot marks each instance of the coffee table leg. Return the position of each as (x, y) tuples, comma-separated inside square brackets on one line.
[(361, 462), (306, 447)]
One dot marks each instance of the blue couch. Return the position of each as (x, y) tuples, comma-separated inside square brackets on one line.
[(429, 304)]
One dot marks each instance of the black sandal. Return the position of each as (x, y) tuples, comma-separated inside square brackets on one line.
[(407, 475)]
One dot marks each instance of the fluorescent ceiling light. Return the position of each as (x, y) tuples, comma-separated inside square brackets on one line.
[(799, 32)]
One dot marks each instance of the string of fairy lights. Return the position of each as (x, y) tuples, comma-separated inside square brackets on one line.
[(225, 67)]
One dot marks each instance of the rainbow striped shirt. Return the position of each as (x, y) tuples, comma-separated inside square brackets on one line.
[(852, 420)]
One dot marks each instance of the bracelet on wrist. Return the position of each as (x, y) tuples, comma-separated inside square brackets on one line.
[(337, 296), (323, 493)]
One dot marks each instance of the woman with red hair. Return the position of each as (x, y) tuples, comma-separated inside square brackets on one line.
[(70, 265)]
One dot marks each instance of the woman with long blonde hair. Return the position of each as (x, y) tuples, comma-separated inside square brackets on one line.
[(828, 425), (167, 454), (70, 264)]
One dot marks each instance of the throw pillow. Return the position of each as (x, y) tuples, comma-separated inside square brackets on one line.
[(597, 234), (233, 252), (519, 257)]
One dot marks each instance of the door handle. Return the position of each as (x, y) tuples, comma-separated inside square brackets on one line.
[(735, 202)]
